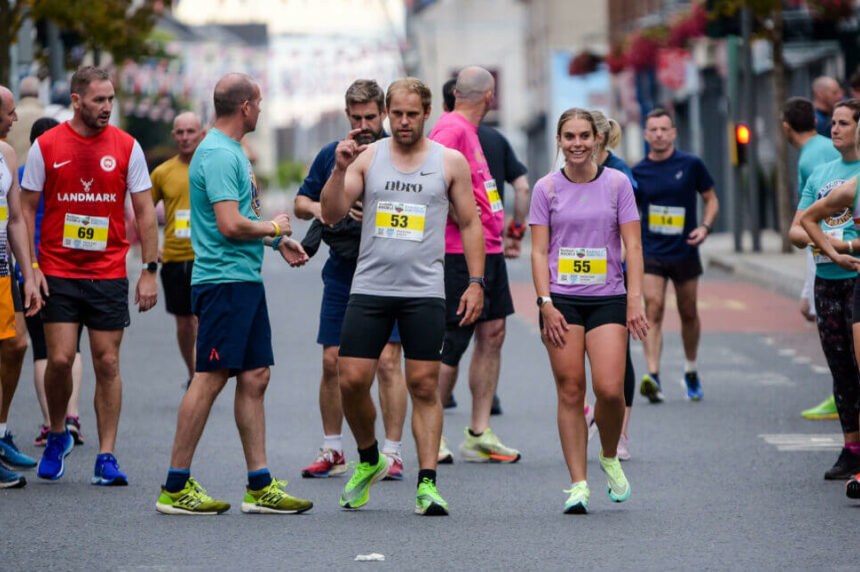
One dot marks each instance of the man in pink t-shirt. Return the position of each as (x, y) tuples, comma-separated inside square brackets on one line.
[(459, 130)]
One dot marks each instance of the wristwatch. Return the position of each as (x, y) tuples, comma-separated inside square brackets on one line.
[(543, 300), (708, 227), (151, 267), (478, 280)]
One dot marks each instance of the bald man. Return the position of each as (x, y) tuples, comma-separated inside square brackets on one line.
[(474, 92), (826, 93), (170, 184), (29, 109), (234, 334)]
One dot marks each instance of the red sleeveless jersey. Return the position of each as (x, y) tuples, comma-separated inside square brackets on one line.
[(83, 231)]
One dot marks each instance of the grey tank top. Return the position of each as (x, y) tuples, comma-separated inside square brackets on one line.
[(402, 250)]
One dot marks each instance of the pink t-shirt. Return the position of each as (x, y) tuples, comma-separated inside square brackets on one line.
[(455, 132), (584, 233)]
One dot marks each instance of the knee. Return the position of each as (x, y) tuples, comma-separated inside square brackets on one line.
[(571, 393), (256, 384), (688, 313), (106, 365), (329, 365), (491, 337), (351, 383), (425, 389), (61, 362), (388, 368), (15, 348), (186, 327), (654, 308), (610, 396)]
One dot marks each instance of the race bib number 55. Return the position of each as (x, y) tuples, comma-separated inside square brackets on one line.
[(85, 232), (581, 266), (400, 221)]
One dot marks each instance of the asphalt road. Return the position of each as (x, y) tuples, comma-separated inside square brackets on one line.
[(733, 482)]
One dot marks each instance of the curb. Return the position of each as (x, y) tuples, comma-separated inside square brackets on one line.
[(759, 274)]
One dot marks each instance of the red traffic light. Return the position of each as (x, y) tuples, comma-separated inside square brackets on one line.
[(742, 134)]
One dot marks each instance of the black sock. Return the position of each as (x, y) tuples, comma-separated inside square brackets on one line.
[(473, 434), (426, 474), (369, 455)]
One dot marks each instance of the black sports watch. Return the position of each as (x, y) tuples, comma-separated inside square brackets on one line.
[(151, 267), (478, 280)]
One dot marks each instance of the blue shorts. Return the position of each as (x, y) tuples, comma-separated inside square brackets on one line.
[(337, 281), (233, 329)]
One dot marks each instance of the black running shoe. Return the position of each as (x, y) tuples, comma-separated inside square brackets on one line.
[(845, 467)]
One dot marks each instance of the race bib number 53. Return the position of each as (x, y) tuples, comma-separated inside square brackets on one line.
[(400, 221), (581, 266), (85, 232)]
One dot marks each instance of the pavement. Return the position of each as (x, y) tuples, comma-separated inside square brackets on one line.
[(770, 268)]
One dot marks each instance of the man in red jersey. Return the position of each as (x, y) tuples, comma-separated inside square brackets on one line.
[(84, 168)]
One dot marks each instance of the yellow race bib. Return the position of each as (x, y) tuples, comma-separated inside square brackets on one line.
[(666, 220), (581, 266), (182, 224), (85, 232), (400, 221)]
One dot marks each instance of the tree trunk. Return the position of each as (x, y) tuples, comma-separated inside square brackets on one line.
[(785, 204)]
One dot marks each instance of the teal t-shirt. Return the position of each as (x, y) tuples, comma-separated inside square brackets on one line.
[(816, 151), (824, 179), (220, 171)]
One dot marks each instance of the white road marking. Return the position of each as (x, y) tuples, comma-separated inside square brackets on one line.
[(804, 442)]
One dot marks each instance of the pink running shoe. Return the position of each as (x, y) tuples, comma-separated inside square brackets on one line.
[(42, 438), (623, 450), (395, 471), (329, 463), (589, 420)]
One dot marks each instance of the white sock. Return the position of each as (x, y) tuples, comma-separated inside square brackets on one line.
[(391, 447), (2, 430), (689, 366), (334, 442)]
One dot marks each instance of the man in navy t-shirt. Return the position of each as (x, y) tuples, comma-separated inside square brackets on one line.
[(670, 182), (365, 110)]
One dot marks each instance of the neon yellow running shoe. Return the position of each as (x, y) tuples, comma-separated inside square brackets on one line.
[(445, 456), (486, 448), (356, 493), (428, 501), (191, 500), (617, 486), (577, 500), (824, 410), (273, 499)]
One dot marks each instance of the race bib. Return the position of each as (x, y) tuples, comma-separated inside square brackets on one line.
[(4, 213), (666, 220), (401, 221), (85, 232), (819, 258), (182, 224), (582, 266), (494, 195)]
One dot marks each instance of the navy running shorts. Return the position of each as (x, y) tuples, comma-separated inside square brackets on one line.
[(233, 329)]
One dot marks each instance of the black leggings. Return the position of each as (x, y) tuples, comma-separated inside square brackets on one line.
[(629, 378), (834, 303)]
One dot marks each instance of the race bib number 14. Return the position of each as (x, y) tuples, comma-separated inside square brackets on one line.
[(666, 220)]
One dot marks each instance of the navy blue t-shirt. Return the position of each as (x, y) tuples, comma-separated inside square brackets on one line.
[(617, 163), (336, 267), (667, 199), (503, 162), (822, 123)]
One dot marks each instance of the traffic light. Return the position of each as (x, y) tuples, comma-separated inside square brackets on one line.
[(742, 140)]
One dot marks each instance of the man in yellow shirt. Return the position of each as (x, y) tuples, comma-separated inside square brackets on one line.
[(170, 184)]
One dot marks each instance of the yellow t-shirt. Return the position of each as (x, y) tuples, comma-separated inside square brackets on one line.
[(170, 184)]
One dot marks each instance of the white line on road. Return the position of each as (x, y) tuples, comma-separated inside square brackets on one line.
[(803, 442)]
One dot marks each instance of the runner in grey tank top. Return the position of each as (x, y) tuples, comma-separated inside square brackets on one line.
[(403, 230), (406, 183)]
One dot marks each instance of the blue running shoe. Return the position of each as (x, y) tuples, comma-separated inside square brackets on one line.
[(107, 473), (10, 479), (651, 388), (58, 447), (11, 455), (694, 386)]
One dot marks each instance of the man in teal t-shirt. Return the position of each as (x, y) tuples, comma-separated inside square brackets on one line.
[(227, 296)]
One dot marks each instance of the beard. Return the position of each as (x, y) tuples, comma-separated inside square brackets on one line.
[(368, 137), (93, 121)]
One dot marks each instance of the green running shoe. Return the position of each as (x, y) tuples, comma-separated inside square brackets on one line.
[(617, 486), (428, 501), (192, 500), (824, 410), (486, 448), (651, 388), (445, 456), (356, 493), (577, 500), (273, 500)]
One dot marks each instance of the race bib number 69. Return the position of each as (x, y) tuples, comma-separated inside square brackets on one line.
[(85, 232)]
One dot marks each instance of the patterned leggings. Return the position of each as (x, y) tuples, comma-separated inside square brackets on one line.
[(834, 304)]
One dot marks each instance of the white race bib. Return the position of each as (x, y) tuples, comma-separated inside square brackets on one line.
[(400, 221), (493, 195), (819, 258), (85, 232), (666, 220), (182, 224), (581, 266)]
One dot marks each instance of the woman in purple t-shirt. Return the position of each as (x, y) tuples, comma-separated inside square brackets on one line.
[(579, 217)]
